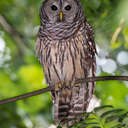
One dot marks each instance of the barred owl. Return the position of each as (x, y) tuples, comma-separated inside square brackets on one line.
[(66, 50)]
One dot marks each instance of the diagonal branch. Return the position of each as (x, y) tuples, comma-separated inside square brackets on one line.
[(24, 96), (50, 88), (14, 34)]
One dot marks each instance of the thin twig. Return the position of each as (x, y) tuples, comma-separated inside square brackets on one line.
[(104, 78), (117, 32), (50, 88)]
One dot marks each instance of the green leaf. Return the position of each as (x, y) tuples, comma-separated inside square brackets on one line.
[(102, 107), (115, 111)]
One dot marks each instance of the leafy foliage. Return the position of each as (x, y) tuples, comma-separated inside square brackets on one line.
[(104, 117)]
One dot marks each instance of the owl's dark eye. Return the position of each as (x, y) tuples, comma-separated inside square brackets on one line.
[(68, 7), (54, 8)]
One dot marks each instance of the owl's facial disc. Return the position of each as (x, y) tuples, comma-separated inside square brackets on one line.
[(60, 10)]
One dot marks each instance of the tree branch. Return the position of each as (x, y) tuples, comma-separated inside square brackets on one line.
[(102, 78), (50, 88), (24, 96), (14, 34)]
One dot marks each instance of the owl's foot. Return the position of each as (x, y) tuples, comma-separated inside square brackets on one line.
[(68, 84), (61, 85)]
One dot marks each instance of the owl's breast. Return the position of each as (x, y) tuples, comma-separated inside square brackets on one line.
[(64, 61)]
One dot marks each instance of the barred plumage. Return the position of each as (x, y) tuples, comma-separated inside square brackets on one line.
[(67, 52)]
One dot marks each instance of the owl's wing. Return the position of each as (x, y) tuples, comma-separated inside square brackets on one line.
[(91, 46), (90, 38), (37, 46)]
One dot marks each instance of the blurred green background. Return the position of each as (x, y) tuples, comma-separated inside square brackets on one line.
[(20, 71)]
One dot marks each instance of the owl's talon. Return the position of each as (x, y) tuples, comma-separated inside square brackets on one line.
[(59, 85), (68, 84)]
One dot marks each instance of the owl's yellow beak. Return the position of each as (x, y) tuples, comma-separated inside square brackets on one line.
[(61, 15)]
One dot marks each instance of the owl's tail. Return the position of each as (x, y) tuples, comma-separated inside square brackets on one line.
[(70, 104), (62, 105)]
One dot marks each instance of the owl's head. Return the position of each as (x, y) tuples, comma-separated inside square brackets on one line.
[(56, 11)]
